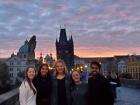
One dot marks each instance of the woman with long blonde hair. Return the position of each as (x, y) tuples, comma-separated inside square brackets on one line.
[(61, 91)]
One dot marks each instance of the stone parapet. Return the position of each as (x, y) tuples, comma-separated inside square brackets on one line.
[(9, 98)]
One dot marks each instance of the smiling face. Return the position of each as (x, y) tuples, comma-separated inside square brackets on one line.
[(76, 76), (31, 73), (44, 70), (95, 69), (60, 68)]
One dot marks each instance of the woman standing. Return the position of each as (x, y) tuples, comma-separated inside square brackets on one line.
[(43, 85), (79, 90), (27, 91), (61, 90), (115, 82)]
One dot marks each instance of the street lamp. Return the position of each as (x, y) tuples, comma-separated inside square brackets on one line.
[(50, 68), (85, 66)]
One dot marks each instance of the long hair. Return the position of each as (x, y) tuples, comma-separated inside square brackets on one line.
[(28, 80), (65, 68)]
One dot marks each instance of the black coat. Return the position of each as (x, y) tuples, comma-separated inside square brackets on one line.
[(43, 86), (117, 80), (79, 94), (54, 98), (99, 91)]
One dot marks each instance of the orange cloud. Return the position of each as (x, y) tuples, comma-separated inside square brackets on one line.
[(105, 52)]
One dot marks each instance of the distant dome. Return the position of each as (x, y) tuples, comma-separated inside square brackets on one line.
[(48, 57), (24, 48)]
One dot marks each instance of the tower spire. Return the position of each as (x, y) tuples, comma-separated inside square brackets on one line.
[(63, 36)]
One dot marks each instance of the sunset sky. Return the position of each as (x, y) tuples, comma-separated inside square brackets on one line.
[(99, 27)]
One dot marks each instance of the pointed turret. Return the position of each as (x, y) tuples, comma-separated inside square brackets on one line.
[(56, 41), (41, 58), (26, 41), (63, 36), (71, 39), (12, 55)]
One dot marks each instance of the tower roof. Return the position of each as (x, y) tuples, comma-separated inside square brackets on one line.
[(63, 36), (71, 39)]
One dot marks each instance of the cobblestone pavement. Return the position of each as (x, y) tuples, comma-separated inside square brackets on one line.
[(128, 96)]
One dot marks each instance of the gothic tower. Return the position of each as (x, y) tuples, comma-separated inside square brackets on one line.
[(65, 49)]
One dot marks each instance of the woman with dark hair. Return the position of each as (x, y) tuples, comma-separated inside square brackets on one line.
[(61, 90), (43, 85), (79, 89), (27, 91)]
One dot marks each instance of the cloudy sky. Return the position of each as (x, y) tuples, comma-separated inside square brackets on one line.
[(99, 27)]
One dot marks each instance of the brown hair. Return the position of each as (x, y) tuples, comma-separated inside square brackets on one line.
[(72, 83), (28, 80), (78, 71)]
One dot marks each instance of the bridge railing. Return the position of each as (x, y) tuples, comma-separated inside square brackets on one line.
[(9, 98)]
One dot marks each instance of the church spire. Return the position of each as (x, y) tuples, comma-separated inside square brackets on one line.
[(63, 36), (56, 41), (71, 39)]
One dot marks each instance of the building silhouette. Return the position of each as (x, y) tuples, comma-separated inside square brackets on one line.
[(65, 49), (133, 66), (25, 57)]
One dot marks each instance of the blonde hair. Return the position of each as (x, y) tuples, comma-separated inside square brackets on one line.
[(65, 68)]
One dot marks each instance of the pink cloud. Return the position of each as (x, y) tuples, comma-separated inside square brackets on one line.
[(92, 18), (5, 53), (62, 8), (103, 51), (12, 1), (43, 9), (124, 14), (76, 17), (84, 9)]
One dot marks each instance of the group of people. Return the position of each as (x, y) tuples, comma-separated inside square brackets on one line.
[(63, 88)]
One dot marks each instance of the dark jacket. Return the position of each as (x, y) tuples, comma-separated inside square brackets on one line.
[(44, 89), (79, 94), (99, 91), (54, 97), (117, 80)]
